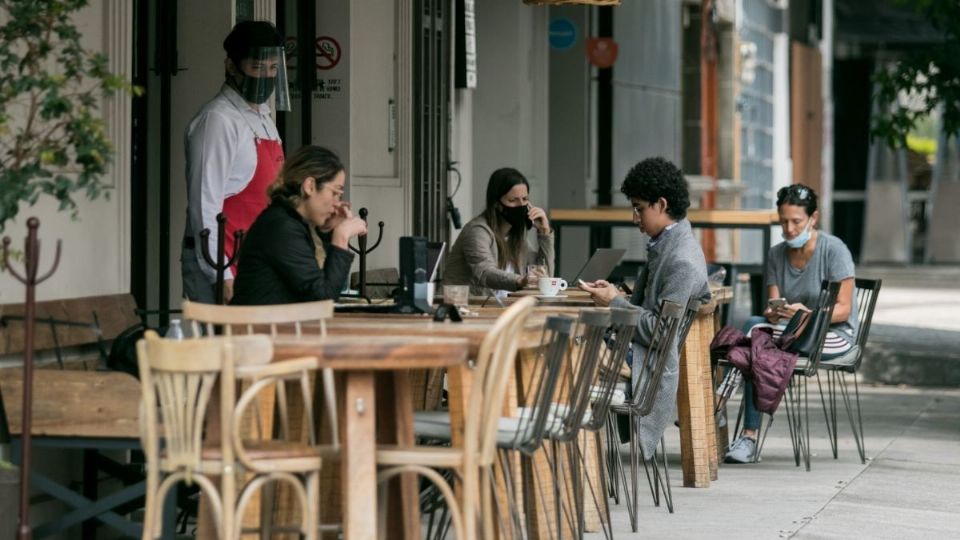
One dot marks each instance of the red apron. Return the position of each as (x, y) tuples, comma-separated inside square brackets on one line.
[(244, 207)]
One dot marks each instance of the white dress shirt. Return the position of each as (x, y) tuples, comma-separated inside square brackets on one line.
[(221, 157)]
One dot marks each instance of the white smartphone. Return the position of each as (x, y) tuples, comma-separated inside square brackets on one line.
[(776, 303), (582, 282)]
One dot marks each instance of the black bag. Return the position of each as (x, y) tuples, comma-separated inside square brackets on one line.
[(801, 333), (123, 352)]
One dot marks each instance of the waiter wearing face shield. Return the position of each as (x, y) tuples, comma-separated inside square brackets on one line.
[(233, 152)]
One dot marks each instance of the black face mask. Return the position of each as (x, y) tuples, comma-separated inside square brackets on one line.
[(516, 216), (257, 89)]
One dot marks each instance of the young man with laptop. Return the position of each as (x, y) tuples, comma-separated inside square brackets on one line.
[(675, 271)]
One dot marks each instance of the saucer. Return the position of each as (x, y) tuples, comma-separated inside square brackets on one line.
[(548, 297)]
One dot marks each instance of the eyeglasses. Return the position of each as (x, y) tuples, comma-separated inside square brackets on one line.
[(637, 210), (338, 193)]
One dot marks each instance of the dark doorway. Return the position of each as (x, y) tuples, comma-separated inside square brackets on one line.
[(431, 105)]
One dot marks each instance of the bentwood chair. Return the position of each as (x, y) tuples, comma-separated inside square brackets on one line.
[(473, 462), (838, 369), (300, 319), (178, 379), (640, 404)]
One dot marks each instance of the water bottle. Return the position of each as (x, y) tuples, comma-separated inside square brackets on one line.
[(718, 277), (175, 330)]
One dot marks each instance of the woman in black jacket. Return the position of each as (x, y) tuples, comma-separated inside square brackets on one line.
[(296, 250)]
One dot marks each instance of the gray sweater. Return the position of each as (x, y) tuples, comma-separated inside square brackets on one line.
[(473, 259), (675, 271)]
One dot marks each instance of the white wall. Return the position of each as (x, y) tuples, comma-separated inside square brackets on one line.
[(96, 253), (380, 179), (510, 103)]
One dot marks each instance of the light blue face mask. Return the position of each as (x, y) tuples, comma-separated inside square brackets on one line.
[(799, 240)]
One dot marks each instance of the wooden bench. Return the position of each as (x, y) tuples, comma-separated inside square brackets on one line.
[(77, 407), (72, 327)]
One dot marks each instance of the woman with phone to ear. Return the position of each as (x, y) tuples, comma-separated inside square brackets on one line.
[(492, 252), (795, 270)]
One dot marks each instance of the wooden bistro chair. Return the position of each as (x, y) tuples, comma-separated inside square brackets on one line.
[(837, 369), (641, 404), (474, 461), (300, 319), (178, 380)]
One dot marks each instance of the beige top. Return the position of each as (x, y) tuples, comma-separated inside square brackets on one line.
[(473, 259)]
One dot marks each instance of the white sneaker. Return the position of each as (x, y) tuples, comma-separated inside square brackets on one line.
[(743, 450)]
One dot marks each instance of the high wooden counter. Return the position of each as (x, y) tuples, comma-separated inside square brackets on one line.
[(604, 218)]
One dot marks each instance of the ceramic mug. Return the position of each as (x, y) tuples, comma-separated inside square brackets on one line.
[(550, 286)]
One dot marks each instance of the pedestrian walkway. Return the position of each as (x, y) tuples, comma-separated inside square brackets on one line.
[(909, 487)]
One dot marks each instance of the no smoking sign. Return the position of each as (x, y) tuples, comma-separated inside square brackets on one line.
[(328, 53)]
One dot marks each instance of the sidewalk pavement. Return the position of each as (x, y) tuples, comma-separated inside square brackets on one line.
[(909, 487)]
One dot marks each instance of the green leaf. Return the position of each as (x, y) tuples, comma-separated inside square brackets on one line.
[(42, 59)]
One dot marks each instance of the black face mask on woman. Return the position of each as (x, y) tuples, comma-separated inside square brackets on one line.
[(516, 216)]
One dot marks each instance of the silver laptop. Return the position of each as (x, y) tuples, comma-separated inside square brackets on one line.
[(600, 265)]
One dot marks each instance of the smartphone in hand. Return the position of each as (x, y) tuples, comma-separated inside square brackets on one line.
[(776, 303)]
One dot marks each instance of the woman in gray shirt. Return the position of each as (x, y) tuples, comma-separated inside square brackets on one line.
[(795, 270), (491, 252)]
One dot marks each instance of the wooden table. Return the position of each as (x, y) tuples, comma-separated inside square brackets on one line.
[(91, 411), (459, 380), (360, 359)]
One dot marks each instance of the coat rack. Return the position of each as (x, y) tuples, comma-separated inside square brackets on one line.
[(362, 252), (31, 251), (221, 264)]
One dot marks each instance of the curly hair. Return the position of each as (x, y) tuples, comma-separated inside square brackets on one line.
[(798, 195), (656, 177)]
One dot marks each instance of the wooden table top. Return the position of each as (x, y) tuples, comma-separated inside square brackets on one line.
[(471, 329), (376, 352), (69, 403)]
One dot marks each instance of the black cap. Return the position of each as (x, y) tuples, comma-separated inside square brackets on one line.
[(247, 35)]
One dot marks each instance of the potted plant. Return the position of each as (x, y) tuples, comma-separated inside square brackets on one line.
[(54, 141)]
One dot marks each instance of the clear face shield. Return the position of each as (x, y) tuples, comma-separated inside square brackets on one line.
[(264, 72)]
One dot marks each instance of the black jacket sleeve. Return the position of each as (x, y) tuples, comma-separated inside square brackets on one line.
[(295, 262)]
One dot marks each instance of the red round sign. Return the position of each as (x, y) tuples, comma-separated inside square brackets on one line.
[(328, 52), (602, 52)]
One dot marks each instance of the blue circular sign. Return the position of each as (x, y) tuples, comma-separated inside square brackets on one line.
[(563, 33)]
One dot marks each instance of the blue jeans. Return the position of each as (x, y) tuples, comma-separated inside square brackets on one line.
[(751, 414)]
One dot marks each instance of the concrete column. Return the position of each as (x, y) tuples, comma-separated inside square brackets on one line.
[(647, 97), (885, 235), (943, 243)]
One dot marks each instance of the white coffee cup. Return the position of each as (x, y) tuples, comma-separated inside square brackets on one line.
[(550, 286)]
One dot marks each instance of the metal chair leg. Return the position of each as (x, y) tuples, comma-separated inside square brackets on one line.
[(856, 427)]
